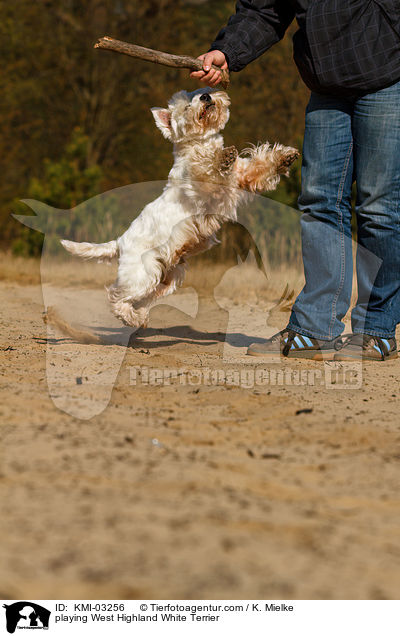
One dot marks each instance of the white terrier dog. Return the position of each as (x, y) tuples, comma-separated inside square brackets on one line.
[(205, 185)]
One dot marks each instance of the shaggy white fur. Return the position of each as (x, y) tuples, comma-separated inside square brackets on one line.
[(205, 185)]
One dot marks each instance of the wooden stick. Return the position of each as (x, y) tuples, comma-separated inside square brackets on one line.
[(158, 57)]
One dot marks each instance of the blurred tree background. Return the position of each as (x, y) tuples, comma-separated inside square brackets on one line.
[(76, 121)]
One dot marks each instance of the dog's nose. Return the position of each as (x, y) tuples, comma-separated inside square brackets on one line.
[(205, 97)]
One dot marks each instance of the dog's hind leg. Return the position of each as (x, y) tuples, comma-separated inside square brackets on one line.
[(129, 314), (136, 287), (136, 313), (173, 279)]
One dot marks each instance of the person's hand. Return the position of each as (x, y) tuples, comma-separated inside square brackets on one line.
[(208, 75)]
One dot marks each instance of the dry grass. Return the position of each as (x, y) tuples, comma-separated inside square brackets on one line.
[(25, 271), (74, 273), (244, 282), (241, 282)]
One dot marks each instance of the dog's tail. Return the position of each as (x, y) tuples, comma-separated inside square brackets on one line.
[(102, 251)]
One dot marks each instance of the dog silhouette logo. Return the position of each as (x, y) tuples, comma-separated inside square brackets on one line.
[(26, 615)]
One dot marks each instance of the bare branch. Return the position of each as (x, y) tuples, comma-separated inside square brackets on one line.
[(158, 57)]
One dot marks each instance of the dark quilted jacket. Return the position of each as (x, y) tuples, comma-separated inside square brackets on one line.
[(341, 47)]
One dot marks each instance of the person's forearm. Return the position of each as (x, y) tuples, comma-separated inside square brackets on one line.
[(256, 26)]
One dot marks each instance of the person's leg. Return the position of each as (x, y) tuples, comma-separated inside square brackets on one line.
[(327, 174), (376, 132)]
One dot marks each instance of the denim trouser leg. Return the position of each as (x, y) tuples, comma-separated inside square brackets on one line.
[(327, 174), (376, 134), (346, 138)]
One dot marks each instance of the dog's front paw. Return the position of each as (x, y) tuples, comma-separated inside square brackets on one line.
[(227, 159), (286, 156)]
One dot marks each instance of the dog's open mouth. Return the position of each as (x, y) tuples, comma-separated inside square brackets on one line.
[(206, 108)]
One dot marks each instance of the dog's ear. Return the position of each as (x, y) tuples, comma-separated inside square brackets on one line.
[(162, 118)]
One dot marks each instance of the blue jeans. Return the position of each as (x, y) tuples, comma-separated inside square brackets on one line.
[(350, 140)]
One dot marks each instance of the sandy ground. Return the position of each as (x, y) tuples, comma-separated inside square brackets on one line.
[(189, 488)]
